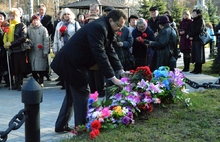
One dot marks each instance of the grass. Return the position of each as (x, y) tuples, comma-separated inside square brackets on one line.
[(173, 123), (206, 68)]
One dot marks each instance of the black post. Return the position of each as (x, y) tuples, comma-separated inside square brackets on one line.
[(32, 97)]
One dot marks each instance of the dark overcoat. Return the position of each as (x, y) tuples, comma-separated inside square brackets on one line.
[(90, 45), (185, 43), (140, 49), (164, 45), (47, 23), (18, 57), (198, 51)]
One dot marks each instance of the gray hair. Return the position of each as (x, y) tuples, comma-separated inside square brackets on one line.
[(67, 10), (141, 21)]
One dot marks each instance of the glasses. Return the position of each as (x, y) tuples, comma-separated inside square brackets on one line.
[(66, 14), (119, 26)]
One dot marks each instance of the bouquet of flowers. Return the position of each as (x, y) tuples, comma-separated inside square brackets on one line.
[(139, 92), (63, 32), (142, 38)]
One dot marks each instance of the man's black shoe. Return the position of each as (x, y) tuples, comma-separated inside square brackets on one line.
[(66, 129)]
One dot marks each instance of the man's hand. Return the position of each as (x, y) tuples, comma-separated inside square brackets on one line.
[(116, 81), (120, 44)]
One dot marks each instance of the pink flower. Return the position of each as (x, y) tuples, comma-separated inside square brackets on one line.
[(106, 112), (94, 96)]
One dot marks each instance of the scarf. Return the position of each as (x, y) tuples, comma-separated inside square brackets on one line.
[(9, 37), (65, 37)]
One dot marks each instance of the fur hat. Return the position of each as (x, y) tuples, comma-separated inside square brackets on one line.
[(132, 16), (93, 17), (15, 12)]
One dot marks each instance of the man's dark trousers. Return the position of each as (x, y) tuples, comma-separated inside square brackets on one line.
[(76, 101)]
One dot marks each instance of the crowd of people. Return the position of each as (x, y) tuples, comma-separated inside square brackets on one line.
[(93, 51)]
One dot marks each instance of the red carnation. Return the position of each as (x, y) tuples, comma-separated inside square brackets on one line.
[(119, 33), (144, 35), (92, 135), (140, 39), (95, 125), (63, 29), (96, 131), (40, 46)]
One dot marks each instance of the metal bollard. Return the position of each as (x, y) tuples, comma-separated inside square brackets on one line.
[(32, 97)]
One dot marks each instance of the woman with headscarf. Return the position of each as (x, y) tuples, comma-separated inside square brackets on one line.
[(198, 51), (12, 41), (38, 34)]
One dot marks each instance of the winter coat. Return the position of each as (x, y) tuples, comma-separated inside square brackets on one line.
[(88, 46), (38, 56), (122, 52), (198, 51), (153, 24), (47, 23), (185, 43), (164, 45), (140, 49), (72, 28), (20, 34)]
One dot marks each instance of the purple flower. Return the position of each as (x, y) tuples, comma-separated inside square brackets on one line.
[(142, 84), (126, 120), (125, 81), (118, 96), (130, 114)]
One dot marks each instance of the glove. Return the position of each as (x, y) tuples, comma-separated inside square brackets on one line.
[(7, 45), (147, 41), (45, 55)]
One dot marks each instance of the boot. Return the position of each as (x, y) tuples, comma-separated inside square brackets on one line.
[(41, 81), (195, 68), (198, 69), (186, 62), (20, 82), (15, 86)]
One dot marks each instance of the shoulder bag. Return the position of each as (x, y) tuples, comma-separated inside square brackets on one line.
[(28, 44), (204, 35)]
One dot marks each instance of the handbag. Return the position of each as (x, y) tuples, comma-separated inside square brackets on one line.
[(28, 44), (205, 37)]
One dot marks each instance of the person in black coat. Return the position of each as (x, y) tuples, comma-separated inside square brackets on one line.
[(89, 46), (3, 59), (198, 51), (164, 45), (153, 21), (13, 40)]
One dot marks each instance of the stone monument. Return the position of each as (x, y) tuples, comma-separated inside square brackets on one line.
[(201, 5)]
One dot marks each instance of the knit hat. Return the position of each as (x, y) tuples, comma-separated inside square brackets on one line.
[(163, 20), (3, 13), (35, 17)]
